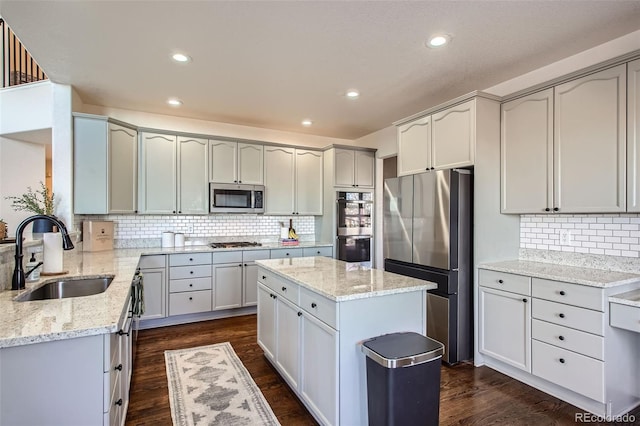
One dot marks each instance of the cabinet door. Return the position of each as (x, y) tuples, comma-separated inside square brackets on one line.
[(155, 293), (224, 161), (157, 173), (279, 180), (527, 154), (227, 286), (288, 340), (267, 321), (123, 163), (590, 143), (453, 136), (505, 327), (344, 167), (90, 163), (250, 163), (365, 169), (193, 184), (414, 147), (308, 182), (250, 285), (319, 368), (633, 137)]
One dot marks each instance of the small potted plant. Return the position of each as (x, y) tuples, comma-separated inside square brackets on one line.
[(3, 229), (40, 201)]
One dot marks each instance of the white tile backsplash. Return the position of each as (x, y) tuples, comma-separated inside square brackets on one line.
[(599, 234)]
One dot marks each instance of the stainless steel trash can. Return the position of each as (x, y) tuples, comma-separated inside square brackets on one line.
[(403, 379)]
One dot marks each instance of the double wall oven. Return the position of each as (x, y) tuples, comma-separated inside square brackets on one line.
[(354, 226)]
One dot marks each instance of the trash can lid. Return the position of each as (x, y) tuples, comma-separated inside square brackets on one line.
[(402, 349)]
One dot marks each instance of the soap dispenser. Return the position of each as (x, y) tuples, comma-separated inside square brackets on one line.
[(34, 266)]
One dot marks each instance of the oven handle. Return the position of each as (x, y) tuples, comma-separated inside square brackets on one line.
[(355, 237)]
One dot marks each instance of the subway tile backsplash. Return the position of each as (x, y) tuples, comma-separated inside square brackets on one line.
[(598, 234)]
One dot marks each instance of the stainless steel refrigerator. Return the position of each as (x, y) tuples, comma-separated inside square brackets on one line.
[(427, 235)]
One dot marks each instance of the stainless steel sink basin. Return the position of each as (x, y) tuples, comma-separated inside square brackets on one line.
[(69, 287)]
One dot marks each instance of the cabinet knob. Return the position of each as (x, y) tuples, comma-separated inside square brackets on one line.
[(191, 259), (500, 281), (524, 300), (287, 254), (299, 314), (235, 181), (191, 298), (190, 285), (239, 181), (432, 168), (191, 272), (119, 402), (122, 333), (313, 305), (245, 264), (284, 288), (561, 337), (547, 209), (561, 360), (264, 277), (561, 315), (136, 211), (240, 265), (119, 367), (179, 211), (318, 252), (174, 211), (562, 293), (555, 209)]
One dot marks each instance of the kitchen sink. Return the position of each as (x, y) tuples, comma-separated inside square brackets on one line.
[(69, 287)]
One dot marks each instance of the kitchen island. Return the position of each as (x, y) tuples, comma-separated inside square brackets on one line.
[(312, 314)]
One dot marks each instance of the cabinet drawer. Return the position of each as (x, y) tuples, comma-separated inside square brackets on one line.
[(505, 281), (320, 307), (251, 255), (624, 316), (288, 290), (576, 372), (195, 271), (267, 278), (574, 340), (227, 257), (155, 261), (190, 284), (286, 252), (189, 302), (189, 259), (569, 316), (317, 251), (571, 294)]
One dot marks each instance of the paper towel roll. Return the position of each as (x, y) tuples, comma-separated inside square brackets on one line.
[(179, 240), (52, 251), (167, 239)]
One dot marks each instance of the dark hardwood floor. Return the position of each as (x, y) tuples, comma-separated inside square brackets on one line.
[(469, 395)]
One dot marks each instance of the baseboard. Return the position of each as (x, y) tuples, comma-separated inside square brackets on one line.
[(190, 318)]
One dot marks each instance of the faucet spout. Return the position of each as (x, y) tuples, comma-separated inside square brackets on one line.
[(19, 277)]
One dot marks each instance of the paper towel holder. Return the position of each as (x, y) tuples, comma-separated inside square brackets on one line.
[(17, 283)]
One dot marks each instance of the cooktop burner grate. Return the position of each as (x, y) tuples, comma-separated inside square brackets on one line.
[(234, 244)]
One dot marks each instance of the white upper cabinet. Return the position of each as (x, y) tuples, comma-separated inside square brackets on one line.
[(354, 169), (590, 143), (236, 162), (564, 148), (633, 137), (157, 174), (527, 154), (105, 166), (193, 188), (414, 146), (308, 182), (443, 140)]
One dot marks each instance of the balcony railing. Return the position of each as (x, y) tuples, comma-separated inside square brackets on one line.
[(18, 67)]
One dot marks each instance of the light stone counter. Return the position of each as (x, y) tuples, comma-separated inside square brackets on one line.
[(571, 274), (340, 281), (630, 298)]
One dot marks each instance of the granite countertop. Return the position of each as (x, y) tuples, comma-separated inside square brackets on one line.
[(341, 281), (631, 298), (571, 274)]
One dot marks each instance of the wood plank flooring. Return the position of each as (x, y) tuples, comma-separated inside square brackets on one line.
[(469, 395)]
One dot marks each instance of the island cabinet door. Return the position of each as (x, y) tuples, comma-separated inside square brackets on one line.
[(267, 321), (319, 368), (288, 340)]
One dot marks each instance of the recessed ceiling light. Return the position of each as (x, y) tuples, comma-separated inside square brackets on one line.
[(438, 40), (174, 102), (353, 94), (307, 123), (181, 57)]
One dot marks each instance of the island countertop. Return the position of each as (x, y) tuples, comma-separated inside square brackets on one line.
[(341, 281)]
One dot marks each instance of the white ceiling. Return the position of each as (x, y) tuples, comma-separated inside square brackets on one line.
[(272, 64)]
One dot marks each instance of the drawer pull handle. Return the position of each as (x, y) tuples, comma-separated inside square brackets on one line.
[(191, 298), (119, 402), (561, 315), (284, 288), (500, 281), (119, 367), (561, 360), (562, 293), (313, 305), (122, 333), (561, 337), (524, 300), (299, 314)]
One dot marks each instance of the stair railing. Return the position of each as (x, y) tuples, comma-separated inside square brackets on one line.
[(18, 67)]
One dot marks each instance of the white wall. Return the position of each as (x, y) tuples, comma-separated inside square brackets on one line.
[(62, 152), (22, 165), (26, 107)]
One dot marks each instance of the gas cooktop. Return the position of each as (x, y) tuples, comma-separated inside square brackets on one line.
[(234, 244)]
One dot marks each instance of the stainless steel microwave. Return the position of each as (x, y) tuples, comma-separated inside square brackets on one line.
[(236, 198)]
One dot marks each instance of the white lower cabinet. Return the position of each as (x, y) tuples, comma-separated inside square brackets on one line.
[(154, 275), (267, 321), (190, 283), (250, 275), (227, 286), (288, 340)]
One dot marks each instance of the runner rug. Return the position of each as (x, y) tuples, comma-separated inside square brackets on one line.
[(208, 385)]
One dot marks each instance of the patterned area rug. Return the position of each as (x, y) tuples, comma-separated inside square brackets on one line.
[(208, 386)]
